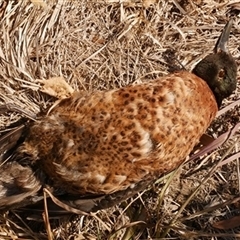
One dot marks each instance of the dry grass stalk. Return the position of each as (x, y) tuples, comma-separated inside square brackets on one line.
[(109, 44)]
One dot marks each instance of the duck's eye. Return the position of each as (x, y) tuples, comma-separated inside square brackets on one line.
[(221, 74)]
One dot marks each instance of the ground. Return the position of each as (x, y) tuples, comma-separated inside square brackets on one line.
[(109, 44)]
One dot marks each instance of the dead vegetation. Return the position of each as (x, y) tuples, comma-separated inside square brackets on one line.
[(109, 44)]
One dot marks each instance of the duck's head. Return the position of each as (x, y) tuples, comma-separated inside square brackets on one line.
[(219, 69)]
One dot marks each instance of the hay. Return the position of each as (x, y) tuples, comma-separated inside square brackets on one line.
[(109, 44)]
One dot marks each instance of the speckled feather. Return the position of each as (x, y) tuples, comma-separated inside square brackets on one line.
[(108, 141)]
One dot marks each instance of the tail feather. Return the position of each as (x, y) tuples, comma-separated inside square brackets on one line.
[(9, 140), (19, 185)]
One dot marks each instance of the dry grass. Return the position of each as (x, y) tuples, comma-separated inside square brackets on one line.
[(109, 44)]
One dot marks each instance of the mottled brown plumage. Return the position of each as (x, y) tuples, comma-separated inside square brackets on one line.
[(107, 141), (114, 143)]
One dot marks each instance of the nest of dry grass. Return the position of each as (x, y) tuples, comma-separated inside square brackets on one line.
[(109, 44)]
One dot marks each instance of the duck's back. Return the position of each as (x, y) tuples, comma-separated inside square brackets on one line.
[(108, 141)]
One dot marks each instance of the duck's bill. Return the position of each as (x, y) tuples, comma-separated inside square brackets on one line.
[(222, 41)]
